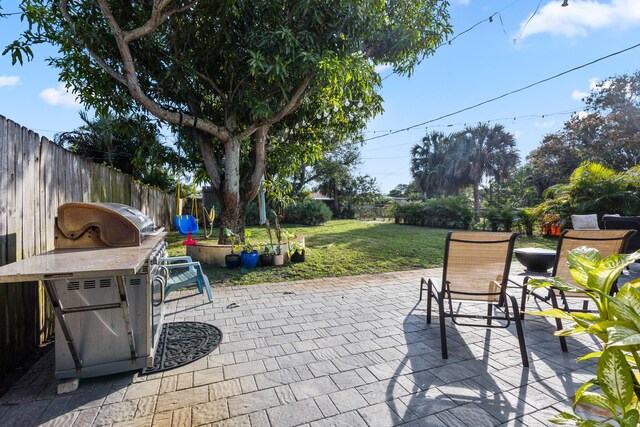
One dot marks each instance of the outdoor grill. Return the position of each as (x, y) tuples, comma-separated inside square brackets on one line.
[(106, 285)]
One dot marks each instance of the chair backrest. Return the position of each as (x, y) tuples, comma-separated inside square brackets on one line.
[(625, 223), (474, 262), (608, 242)]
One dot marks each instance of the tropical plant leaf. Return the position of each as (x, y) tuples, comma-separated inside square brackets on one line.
[(630, 295), (553, 282), (630, 419), (622, 336), (602, 278), (586, 320), (614, 377), (583, 389), (571, 331), (588, 356), (596, 399), (623, 311), (566, 419), (553, 312), (584, 258)]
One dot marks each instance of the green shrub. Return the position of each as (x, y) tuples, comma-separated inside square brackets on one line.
[(445, 212), (307, 212), (526, 221)]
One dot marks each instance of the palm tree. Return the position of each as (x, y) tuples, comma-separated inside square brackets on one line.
[(481, 151), (428, 164), (131, 144)]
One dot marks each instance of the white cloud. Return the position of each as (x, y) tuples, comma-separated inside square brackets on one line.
[(9, 81), (517, 134), (582, 114), (545, 124), (60, 96), (382, 67), (579, 95), (582, 16)]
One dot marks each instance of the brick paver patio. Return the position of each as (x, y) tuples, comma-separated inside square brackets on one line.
[(350, 351)]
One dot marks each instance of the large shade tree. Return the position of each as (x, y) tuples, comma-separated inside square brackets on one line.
[(234, 70), (608, 132)]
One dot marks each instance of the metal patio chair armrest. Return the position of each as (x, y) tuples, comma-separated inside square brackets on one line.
[(173, 259)]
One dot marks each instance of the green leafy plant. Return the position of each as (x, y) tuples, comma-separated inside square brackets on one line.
[(233, 238), (247, 246), (526, 220), (616, 324)]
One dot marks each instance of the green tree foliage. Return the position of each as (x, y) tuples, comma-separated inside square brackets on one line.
[(593, 188), (335, 176), (254, 78), (609, 134), (131, 144), (446, 164)]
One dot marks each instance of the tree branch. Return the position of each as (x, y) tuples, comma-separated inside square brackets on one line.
[(292, 105), (149, 104), (212, 84), (157, 18), (64, 8)]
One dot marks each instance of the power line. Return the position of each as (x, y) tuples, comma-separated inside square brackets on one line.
[(524, 116), (508, 93), (489, 19)]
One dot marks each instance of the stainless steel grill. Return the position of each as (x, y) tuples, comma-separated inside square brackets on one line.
[(106, 285)]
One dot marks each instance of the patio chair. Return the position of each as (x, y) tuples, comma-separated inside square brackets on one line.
[(476, 271), (183, 272), (607, 242)]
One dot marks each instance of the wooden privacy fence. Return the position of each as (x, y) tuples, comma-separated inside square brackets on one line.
[(36, 176)]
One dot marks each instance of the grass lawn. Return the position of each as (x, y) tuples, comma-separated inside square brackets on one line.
[(344, 248)]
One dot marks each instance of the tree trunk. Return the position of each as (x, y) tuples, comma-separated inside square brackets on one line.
[(230, 192), (476, 200), (236, 194)]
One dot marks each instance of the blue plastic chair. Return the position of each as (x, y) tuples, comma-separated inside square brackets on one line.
[(183, 272)]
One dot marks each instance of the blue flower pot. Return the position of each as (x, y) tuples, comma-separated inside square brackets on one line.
[(249, 260)]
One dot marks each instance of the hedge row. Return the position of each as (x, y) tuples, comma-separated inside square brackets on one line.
[(445, 212)]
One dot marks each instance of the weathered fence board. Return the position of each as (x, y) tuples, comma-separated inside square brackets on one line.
[(36, 176)]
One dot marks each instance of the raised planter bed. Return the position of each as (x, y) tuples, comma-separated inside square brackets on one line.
[(214, 254)]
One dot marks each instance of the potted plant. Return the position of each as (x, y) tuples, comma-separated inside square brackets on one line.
[(278, 256), (296, 251), (232, 260), (266, 255), (616, 323), (249, 254)]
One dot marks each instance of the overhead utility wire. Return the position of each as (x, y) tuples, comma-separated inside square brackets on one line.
[(489, 19), (524, 116), (507, 93)]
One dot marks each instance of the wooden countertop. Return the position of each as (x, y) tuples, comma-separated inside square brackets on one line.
[(80, 263)]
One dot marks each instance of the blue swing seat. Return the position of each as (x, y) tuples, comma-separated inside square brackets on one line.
[(186, 224), (183, 272)]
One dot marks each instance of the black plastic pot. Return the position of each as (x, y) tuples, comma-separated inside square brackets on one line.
[(297, 256), (266, 260), (232, 261)]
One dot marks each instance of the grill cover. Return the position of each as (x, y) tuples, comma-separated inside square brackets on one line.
[(94, 225)]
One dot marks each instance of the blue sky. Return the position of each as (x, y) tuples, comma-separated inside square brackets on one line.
[(480, 64)]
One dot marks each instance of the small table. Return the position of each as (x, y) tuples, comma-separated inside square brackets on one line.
[(536, 259)]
